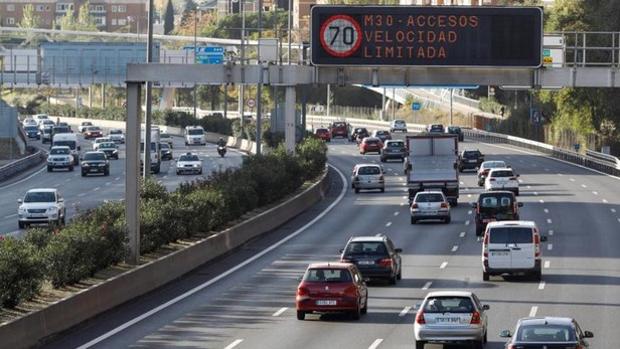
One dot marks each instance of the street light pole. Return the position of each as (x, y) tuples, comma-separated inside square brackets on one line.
[(241, 86), (259, 88), (290, 32), (195, 54), (147, 128)]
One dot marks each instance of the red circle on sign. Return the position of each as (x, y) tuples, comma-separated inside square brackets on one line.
[(356, 44)]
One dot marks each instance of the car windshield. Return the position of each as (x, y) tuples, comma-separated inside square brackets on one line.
[(327, 275), (94, 128), (164, 146), (496, 206), (60, 151), (30, 128), (372, 141), (116, 132), (339, 124), (153, 147), (195, 132), (40, 196), (396, 144), (189, 158), (511, 235), (369, 170), (86, 123), (545, 333), (94, 156), (461, 305), (165, 135), (47, 130), (471, 154), (431, 197), (70, 144), (382, 133), (399, 122), (322, 131), (361, 247), (502, 173), (107, 145), (454, 129), (61, 129), (436, 128), (494, 164)]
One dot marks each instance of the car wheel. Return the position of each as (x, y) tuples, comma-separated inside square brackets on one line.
[(357, 313), (485, 276), (392, 280), (382, 160), (517, 192), (460, 169), (485, 340), (479, 230), (70, 168), (178, 173), (413, 220), (365, 308), (83, 174), (538, 276), (49, 168), (419, 344), (62, 220), (383, 190), (106, 173), (301, 315), (478, 345), (200, 172), (21, 225), (357, 190), (447, 220), (399, 276)]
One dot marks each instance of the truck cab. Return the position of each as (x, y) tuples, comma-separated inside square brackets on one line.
[(69, 140)]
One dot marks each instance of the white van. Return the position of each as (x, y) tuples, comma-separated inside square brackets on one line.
[(195, 135), (69, 140), (512, 247)]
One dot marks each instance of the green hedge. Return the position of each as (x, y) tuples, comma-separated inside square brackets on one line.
[(96, 238)]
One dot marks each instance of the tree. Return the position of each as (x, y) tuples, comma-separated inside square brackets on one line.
[(85, 22), (29, 20), (169, 18), (189, 8)]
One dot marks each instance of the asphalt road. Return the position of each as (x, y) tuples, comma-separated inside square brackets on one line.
[(83, 193), (253, 306)]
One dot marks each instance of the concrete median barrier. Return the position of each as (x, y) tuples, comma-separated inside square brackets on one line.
[(33, 328)]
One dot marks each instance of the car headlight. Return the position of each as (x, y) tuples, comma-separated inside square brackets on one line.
[(196, 165), (85, 164), (52, 209), (21, 210), (115, 151)]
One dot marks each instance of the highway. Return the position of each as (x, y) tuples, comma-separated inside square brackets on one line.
[(82, 193), (246, 299)]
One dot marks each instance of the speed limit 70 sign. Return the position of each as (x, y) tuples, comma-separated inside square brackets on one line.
[(341, 35)]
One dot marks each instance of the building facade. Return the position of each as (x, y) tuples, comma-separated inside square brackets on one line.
[(109, 15)]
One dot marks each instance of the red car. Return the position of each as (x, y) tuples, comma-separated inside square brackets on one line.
[(323, 134), (339, 129), (371, 145), (92, 132), (332, 288)]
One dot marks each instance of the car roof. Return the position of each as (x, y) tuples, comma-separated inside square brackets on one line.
[(449, 294), (526, 224), (546, 320), (495, 192), (43, 190), (335, 265), (497, 169), (94, 152), (60, 147), (371, 238), (322, 129), (371, 139), (366, 165), (429, 192)]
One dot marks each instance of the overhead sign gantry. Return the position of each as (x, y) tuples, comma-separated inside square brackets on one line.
[(427, 36)]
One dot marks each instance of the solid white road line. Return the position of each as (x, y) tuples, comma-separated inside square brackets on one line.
[(404, 311), (396, 213), (427, 285), (388, 224), (467, 222), (549, 221), (462, 234), (279, 312), (224, 274), (96, 188), (234, 344), (376, 343), (25, 179), (547, 264), (551, 232), (10, 216), (546, 210), (550, 247), (618, 220), (541, 285), (613, 210), (455, 248), (443, 265)]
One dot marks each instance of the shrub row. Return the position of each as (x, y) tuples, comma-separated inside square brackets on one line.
[(96, 239)]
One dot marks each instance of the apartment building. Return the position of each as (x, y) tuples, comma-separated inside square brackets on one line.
[(109, 15)]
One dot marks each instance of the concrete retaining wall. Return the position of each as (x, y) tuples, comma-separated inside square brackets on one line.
[(32, 328)]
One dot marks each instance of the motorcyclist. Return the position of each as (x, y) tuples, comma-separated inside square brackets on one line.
[(221, 142)]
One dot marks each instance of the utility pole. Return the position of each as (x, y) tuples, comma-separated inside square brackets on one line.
[(241, 86), (451, 99), (290, 30), (147, 128), (259, 88), (195, 55)]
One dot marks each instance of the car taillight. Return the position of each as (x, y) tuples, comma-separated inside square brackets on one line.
[(351, 291), (485, 246), (537, 244), (302, 292), (419, 318), (513, 178), (414, 206), (444, 205), (475, 318), (385, 262), (381, 177)]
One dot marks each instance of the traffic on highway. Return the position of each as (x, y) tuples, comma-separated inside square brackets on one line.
[(523, 259)]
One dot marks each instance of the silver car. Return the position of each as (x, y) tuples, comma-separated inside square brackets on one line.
[(451, 317), (367, 176), (430, 205)]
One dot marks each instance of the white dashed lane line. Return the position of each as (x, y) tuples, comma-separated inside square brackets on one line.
[(595, 192), (547, 264), (462, 234), (234, 344), (541, 285), (551, 232), (467, 222), (541, 201), (470, 212), (584, 186), (546, 210), (549, 221), (396, 213), (605, 201), (427, 285), (388, 224), (550, 247), (279, 312), (572, 179), (405, 311), (443, 265), (376, 343), (455, 248), (613, 210), (533, 311)]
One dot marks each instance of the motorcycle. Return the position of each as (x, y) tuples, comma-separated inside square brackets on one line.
[(221, 149)]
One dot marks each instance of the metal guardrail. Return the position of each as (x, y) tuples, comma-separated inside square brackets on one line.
[(612, 160), (9, 170)]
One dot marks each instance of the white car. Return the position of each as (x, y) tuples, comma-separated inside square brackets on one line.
[(45, 123), (189, 163), (398, 125), (100, 140), (84, 125), (60, 157), (502, 179), (486, 166), (40, 117), (512, 247), (195, 135), (430, 205), (451, 317), (44, 205), (367, 176), (29, 122), (117, 136)]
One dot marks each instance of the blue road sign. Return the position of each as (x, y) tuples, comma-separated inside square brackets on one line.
[(209, 55), (416, 106)]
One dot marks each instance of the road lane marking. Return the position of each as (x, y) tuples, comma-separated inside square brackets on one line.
[(467, 222), (443, 265), (613, 210), (455, 248), (279, 312), (547, 264), (462, 183), (546, 210), (396, 213), (402, 204), (535, 193), (223, 275), (68, 180), (10, 216), (24, 179), (550, 247), (427, 285), (108, 183), (96, 188), (551, 232), (533, 311), (404, 311), (572, 179), (376, 343), (462, 234), (541, 285), (469, 212), (584, 186), (529, 187), (234, 344), (549, 221), (468, 195), (541, 201), (605, 201), (81, 194), (117, 178), (595, 192), (405, 197), (388, 224)]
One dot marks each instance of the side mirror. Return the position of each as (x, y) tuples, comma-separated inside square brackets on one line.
[(20, 201), (474, 205), (588, 334), (341, 250), (520, 204), (61, 200), (518, 175), (409, 166), (79, 148), (486, 307), (543, 238), (398, 250), (505, 334)]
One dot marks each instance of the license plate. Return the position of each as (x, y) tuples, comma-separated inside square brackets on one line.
[(430, 212), (448, 320), (502, 253), (326, 302), (366, 262), (472, 161)]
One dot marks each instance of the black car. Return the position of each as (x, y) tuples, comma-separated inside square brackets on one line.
[(455, 130), (95, 162), (470, 160), (394, 149), (32, 132), (436, 128), (65, 124), (375, 257), (110, 149), (547, 333), (166, 152), (495, 206), (359, 133)]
